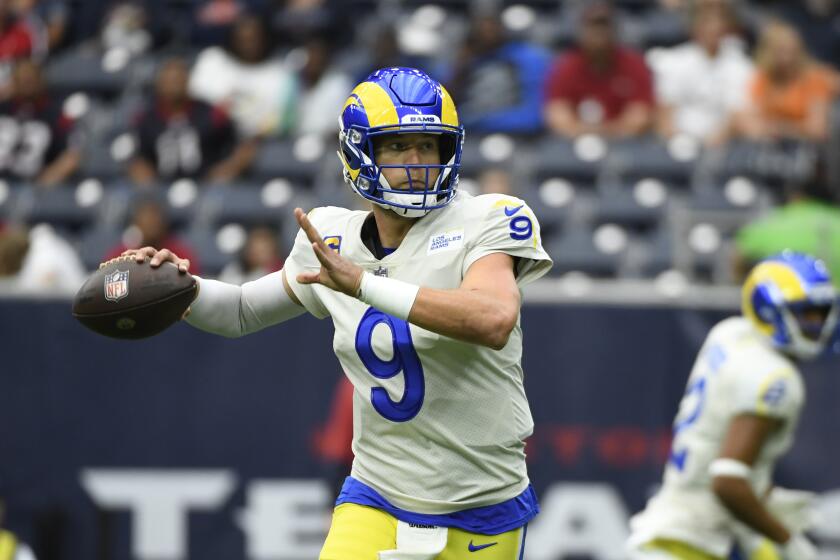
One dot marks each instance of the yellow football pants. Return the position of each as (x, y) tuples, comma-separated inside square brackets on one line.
[(361, 532)]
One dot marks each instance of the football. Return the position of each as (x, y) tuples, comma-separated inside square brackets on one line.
[(130, 300)]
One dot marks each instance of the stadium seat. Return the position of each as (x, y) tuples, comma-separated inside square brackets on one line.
[(277, 158), (556, 157), (487, 151), (60, 206), (658, 249), (249, 204), (625, 204), (205, 242), (83, 69), (650, 157), (575, 250)]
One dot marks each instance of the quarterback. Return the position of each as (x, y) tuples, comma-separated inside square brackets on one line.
[(424, 293), (737, 418)]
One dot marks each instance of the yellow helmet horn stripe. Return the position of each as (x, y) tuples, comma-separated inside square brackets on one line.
[(378, 106), (448, 114)]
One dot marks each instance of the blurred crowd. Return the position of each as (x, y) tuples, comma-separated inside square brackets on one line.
[(647, 134)]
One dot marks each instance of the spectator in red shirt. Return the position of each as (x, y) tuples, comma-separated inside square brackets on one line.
[(15, 38), (16, 41), (599, 87), (150, 227)]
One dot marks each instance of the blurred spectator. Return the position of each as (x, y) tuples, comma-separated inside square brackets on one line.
[(790, 94), (808, 222), (48, 20), (177, 136), (323, 89), (495, 180), (150, 228), (10, 547), (259, 256), (702, 83), (256, 88), (39, 261), (384, 51), (127, 26), (41, 142), (599, 87), (498, 81), (818, 22), (16, 41)]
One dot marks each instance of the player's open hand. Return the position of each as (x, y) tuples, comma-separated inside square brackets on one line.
[(336, 272), (158, 257)]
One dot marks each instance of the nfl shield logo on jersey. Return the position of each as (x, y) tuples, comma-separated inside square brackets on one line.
[(116, 285)]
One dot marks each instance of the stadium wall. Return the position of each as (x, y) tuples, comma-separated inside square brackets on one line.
[(188, 446)]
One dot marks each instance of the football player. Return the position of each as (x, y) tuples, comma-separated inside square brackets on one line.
[(424, 293), (737, 418)]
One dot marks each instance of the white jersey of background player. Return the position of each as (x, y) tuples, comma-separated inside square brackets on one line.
[(424, 294), (738, 417)]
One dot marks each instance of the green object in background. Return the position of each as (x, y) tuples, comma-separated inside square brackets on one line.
[(805, 225)]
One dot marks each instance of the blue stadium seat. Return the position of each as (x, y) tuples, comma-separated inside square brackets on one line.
[(618, 204), (81, 69), (276, 158), (575, 250), (479, 154), (659, 252), (556, 157), (211, 258), (244, 203), (649, 157), (58, 206)]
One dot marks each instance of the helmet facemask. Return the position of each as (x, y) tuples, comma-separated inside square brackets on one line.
[(434, 188)]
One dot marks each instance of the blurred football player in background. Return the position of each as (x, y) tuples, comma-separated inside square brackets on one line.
[(424, 293), (737, 418)]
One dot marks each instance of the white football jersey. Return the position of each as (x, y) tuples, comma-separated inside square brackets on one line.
[(737, 371), (438, 424)]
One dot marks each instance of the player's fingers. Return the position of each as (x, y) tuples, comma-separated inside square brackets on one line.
[(161, 257), (324, 256), (308, 228), (183, 265), (141, 254)]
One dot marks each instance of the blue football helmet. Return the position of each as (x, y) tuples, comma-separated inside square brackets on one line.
[(790, 299), (393, 101)]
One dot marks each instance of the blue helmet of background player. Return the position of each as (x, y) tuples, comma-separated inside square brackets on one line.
[(790, 299), (392, 101)]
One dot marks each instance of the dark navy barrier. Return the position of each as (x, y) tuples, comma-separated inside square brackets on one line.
[(603, 384)]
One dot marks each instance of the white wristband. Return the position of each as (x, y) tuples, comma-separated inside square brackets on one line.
[(730, 467), (390, 296)]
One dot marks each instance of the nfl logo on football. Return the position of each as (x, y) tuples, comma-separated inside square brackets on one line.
[(116, 285)]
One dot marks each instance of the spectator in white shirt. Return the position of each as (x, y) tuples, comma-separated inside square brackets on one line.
[(257, 90), (702, 83), (323, 89)]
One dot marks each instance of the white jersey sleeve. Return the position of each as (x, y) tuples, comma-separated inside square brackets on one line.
[(509, 226), (776, 393), (302, 259)]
